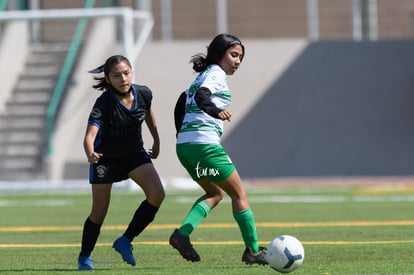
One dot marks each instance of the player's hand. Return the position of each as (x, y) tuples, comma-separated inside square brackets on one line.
[(224, 115), (154, 151), (94, 157)]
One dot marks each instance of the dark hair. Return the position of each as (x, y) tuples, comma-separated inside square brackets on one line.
[(106, 68), (215, 51)]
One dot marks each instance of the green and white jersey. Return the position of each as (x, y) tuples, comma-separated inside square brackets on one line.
[(198, 126)]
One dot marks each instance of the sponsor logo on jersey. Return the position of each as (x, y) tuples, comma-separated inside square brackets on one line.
[(96, 113)]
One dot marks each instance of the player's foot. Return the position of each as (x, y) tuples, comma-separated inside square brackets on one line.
[(85, 263), (184, 246), (258, 258), (124, 247)]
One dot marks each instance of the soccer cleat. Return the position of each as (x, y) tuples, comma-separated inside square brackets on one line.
[(259, 258), (184, 246), (85, 263), (124, 247)]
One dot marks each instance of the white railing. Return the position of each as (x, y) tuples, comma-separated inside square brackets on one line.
[(132, 46)]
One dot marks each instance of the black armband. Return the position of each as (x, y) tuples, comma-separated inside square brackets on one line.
[(203, 100)]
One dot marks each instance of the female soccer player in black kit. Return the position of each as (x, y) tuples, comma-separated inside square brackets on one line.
[(114, 148)]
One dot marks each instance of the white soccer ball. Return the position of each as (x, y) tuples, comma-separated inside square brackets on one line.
[(285, 254)]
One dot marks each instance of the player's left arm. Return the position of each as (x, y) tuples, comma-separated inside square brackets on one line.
[(203, 100), (152, 126)]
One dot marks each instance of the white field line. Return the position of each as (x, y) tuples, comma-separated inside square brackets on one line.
[(165, 243), (252, 199)]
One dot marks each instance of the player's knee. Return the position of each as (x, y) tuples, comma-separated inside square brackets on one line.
[(216, 197), (98, 215), (156, 197)]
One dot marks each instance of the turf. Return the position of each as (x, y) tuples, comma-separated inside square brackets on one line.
[(345, 230)]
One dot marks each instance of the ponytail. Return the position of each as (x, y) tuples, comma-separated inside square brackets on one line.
[(101, 84), (199, 62)]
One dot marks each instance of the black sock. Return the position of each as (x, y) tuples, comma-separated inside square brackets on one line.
[(143, 216), (90, 235)]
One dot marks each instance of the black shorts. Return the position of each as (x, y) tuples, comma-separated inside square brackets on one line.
[(109, 170)]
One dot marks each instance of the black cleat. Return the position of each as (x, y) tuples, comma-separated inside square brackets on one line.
[(259, 258), (184, 246)]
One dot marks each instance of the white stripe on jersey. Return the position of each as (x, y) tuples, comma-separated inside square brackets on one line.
[(198, 126)]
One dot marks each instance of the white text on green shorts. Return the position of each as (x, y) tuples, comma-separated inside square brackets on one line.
[(206, 171)]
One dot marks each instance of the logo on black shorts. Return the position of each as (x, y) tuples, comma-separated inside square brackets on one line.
[(100, 171)]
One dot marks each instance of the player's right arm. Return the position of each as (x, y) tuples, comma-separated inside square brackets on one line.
[(88, 142)]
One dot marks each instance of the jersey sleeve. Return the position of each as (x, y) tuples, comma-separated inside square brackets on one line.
[(96, 117), (214, 80), (179, 111), (203, 100), (146, 95)]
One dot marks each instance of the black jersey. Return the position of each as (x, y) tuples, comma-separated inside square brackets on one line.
[(120, 128)]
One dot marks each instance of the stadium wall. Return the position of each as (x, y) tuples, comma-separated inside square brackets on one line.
[(324, 109), (340, 109)]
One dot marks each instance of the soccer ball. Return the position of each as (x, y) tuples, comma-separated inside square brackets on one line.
[(285, 254)]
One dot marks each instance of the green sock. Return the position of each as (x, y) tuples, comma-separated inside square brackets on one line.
[(245, 220), (196, 215)]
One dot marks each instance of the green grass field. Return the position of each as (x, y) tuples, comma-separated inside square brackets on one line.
[(344, 230)]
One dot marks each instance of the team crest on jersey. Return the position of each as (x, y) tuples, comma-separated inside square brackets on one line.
[(96, 113), (101, 171)]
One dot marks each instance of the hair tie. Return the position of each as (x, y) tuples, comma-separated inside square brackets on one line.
[(97, 70)]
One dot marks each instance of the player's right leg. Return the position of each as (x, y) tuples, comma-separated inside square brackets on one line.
[(92, 227), (180, 239)]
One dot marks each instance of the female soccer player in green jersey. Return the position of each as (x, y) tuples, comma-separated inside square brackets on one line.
[(199, 116)]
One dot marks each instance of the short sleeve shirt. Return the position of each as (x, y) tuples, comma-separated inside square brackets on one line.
[(119, 127)]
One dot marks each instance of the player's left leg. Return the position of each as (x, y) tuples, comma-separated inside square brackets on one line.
[(148, 179), (243, 214)]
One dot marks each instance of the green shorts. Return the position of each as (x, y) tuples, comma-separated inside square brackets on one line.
[(205, 160)]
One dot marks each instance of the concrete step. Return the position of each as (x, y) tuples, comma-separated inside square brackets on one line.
[(19, 150), (22, 123), (42, 59), (36, 83), (11, 175), (26, 109), (19, 164), (21, 175), (22, 127), (18, 137), (47, 55), (32, 97), (50, 48), (39, 74), (51, 70)]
